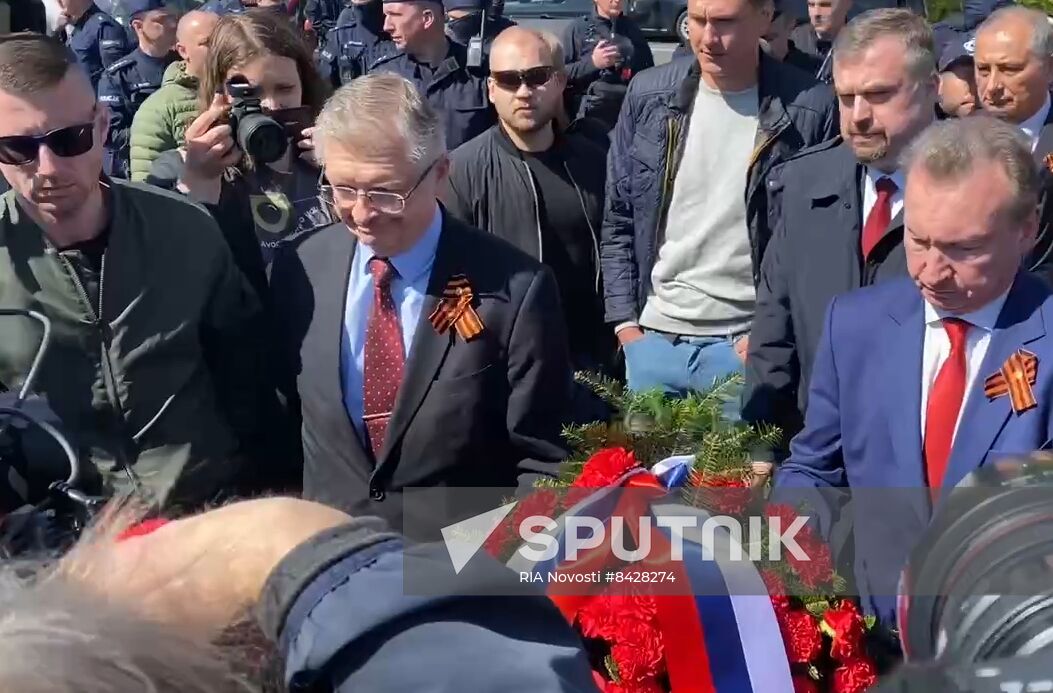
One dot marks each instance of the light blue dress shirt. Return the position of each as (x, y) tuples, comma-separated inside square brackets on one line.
[(408, 288)]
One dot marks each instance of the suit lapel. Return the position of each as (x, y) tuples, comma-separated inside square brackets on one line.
[(428, 350), (1019, 323), (902, 400), (332, 278), (1045, 142)]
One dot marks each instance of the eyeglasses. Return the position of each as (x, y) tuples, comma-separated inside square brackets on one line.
[(534, 77), (380, 200), (74, 140)]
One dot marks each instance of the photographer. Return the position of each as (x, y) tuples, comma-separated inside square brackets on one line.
[(259, 206)]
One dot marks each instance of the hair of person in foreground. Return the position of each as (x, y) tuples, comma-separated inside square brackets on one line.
[(69, 626)]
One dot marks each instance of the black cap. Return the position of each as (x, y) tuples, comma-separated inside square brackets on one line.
[(956, 50), (470, 5)]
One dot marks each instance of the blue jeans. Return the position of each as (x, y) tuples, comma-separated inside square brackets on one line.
[(681, 364)]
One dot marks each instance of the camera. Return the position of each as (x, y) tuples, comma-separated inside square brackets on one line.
[(977, 604), (258, 135)]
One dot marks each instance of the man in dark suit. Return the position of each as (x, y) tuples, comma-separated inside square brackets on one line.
[(917, 383), (1014, 73), (839, 206), (400, 383)]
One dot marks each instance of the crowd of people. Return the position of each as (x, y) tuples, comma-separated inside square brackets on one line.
[(851, 214)]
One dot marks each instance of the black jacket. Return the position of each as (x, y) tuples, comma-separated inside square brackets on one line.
[(812, 54), (646, 151), (485, 413), (814, 255), (492, 188), (1041, 260), (596, 93)]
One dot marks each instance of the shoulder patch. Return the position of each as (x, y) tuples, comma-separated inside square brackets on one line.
[(385, 59), (120, 65)]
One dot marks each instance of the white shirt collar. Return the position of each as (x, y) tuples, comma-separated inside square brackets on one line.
[(984, 317), (897, 177), (1033, 125)]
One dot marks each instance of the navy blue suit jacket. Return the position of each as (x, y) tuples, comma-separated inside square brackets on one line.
[(862, 427)]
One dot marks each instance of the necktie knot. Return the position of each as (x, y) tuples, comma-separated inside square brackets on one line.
[(886, 186), (382, 271), (957, 330)]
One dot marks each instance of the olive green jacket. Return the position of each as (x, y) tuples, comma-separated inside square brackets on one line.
[(163, 368), (161, 121)]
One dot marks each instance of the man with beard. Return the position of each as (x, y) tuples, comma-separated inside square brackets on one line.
[(1014, 70), (158, 367), (357, 42), (539, 189), (603, 52), (840, 223)]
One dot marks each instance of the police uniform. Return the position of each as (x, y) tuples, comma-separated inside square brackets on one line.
[(454, 89), (323, 15), (123, 88), (356, 43), (464, 29), (597, 93), (98, 41)]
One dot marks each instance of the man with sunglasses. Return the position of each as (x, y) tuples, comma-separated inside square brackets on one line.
[(155, 364), (126, 84), (392, 394), (538, 188)]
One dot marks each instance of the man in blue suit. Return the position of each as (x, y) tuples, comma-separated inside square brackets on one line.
[(909, 390)]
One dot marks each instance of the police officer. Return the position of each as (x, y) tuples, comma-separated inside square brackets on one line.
[(603, 52), (95, 37), (323, 15), (126, 84), (438, 67), (463, 18), (356, 43)]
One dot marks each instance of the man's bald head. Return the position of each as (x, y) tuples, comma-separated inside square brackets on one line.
[(516, 43), (192, 38)]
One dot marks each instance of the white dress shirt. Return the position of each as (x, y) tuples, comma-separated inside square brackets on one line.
[(938, 347), (870, 191), (1032, 127)]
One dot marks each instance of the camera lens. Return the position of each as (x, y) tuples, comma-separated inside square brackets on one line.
[(980, 583), (262, 138)]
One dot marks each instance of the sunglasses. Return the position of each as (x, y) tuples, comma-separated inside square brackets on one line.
[(74, 140), (512, 79)]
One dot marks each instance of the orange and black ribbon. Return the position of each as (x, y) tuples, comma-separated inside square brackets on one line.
[(1049, 162), (455, 309), (1015, 378)]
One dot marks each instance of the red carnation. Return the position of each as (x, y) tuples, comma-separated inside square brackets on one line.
[(777, 591), (818, 569), (845, 625), (785, 513), (645, 686), (854, 676), (605, 467), (802, 637), (803, 683), (637, 650), (725, 494), (597, 619)]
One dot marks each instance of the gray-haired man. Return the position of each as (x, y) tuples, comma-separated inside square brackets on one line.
[(391, 394), (1014, 70)]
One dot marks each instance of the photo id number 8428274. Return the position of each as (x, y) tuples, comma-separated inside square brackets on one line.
[(641, 576)]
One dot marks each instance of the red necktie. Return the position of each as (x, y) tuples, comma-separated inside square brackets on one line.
[(384, 357), (880, 214), (945, 401)]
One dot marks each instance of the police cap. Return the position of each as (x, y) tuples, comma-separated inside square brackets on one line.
[(136, 7), (957, 49)]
